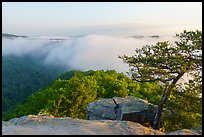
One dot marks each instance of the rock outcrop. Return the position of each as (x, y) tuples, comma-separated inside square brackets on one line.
[(197, 129), (184, 132), (48, 125), (129, 108)]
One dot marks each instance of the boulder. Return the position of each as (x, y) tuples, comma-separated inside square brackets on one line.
[(129, 108)]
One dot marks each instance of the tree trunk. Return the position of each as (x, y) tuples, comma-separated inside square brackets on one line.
[(157, 118)]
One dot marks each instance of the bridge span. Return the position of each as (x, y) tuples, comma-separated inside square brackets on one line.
[(57, 39)]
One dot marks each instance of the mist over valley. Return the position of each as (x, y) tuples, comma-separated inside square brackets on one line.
[(89, 52)]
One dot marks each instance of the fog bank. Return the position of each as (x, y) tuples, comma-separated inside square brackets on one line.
[(91, 52)]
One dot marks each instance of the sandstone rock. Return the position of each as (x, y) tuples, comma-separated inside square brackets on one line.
[(16, 121), (197, 129), (130, 108), (26, 119), (30, 125), (73, 126), (183, 132), (48, 125)]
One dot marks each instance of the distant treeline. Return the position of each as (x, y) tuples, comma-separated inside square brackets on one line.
[(6, 35)]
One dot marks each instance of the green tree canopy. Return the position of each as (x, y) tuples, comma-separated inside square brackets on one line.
[(69, 95), (167, 63)]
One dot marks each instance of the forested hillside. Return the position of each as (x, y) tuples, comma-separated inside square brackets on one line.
[(69, 95), (22, 76)]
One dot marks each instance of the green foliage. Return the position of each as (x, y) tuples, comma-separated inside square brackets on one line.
[(22, 76), (69, 95), (167, 63), (74, 94), (186, 106), (160, 62)]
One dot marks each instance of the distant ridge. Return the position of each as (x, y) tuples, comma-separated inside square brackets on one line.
[(139, 36), (7, 35)]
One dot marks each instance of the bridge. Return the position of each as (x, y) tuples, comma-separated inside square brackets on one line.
[(53, 40), (57, 39)]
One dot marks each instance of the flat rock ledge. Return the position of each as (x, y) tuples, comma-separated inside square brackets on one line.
[(49, 125)]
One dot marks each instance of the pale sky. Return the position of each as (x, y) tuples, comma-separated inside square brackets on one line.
[(114, 18)]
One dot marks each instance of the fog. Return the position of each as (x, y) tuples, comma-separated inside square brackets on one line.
[(92, 52)]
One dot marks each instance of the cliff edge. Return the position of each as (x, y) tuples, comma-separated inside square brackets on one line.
[(49, 125)]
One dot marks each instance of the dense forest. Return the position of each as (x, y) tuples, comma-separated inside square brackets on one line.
[(75, 89), (22, 76)]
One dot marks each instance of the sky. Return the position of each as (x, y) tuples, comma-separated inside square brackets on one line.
[(107, 18)]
